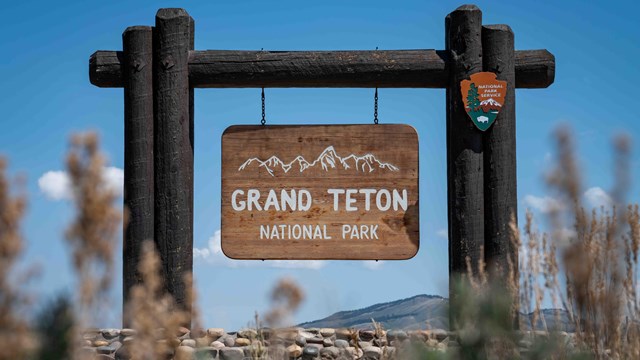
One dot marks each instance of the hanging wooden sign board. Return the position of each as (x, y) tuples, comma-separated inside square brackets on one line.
[(320, 192)]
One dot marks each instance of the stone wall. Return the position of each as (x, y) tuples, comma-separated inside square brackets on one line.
[(289, 343)]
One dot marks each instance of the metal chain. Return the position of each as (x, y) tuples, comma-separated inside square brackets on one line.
[(375, 107), (375, 104), (263, 121)]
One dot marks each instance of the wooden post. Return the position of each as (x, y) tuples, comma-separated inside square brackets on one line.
[(192, 38), (173, 149), (464, 149), (500, 176), (137, 43)]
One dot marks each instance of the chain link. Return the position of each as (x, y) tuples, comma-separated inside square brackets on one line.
[(375, 107), (263, 121)]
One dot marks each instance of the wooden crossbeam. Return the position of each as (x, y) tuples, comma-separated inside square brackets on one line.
[(356, 69)]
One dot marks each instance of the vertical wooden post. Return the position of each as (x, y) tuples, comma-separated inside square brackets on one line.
[(173, 149), (137, 44), (500, 149), (464, 149), (500, 176), (192, 28)]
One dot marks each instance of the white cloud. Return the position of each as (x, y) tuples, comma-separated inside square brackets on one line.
[(295, 264), (443, 233), (114, 179), (564, 235), (596, 197), (373, 264), (56, 185), (543, 204), (212, 254)]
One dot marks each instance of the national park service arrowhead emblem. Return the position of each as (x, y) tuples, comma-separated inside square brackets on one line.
[(483, 97)]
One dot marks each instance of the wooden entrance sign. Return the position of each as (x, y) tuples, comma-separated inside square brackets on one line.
[(159, 69), (320, 192)]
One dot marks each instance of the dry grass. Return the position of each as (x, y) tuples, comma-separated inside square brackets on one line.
[(585, 263), (153, 313), (92, 238), (589, 259), (16, 339), (286, 297), (92, 235), (380, 334)]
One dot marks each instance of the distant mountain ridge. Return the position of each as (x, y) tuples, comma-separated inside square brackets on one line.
[(420, 311), (410, 314), (328, 159)]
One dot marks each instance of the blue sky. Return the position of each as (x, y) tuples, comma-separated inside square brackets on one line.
[(46, 96)]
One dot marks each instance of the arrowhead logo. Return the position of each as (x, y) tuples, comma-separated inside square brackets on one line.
[(483, 97)]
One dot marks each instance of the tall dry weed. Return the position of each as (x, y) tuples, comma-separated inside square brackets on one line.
[(152, 312), (286, 297), (16, 339), (92, 235), (587, 263)]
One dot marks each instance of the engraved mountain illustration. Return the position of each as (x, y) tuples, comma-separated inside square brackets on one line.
[(327, 160)]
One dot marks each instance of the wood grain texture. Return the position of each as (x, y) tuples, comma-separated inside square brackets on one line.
[(406, 68), (106, 69), (500, 176), (398, 230), (464, 149), (173, 155), (137, 43), (384, 68)]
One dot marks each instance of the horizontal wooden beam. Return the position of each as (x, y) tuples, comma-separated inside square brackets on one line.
[(356, 69), (407, 68)]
